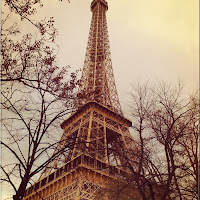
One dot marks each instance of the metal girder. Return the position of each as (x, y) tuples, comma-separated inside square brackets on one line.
[(91, 149), (98, 82)]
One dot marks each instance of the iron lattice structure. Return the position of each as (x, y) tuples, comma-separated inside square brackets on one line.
[(95, 136), (98, 82)]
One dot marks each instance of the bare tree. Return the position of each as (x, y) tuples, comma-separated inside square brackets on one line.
[(36, 95), (170, 118), (137, 157), (188, 151), (31, 107), (163, 165)]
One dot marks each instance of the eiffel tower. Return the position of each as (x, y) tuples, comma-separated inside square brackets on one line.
[(96, 135)]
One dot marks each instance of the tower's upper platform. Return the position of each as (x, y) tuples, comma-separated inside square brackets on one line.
[(102, 2)]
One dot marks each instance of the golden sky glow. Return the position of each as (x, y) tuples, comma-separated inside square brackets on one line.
[(174, 21), (148, 38)]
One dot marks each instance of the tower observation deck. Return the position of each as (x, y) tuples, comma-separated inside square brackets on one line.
[(96, 136)]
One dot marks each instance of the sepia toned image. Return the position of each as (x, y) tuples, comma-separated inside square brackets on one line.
[(99, 100)]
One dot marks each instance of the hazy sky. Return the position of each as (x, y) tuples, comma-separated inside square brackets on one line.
[(148, 39)]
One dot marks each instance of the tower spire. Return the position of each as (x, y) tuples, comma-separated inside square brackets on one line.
[(98, 82)]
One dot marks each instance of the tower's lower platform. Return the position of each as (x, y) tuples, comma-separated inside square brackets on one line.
[(83, 178)]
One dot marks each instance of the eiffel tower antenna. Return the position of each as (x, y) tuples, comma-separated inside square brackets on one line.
[(96, 135)]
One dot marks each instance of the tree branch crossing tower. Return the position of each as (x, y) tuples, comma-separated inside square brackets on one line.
[(91, 150)]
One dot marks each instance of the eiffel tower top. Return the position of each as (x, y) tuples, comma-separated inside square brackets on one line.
[(102, 2), (98, 82)]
